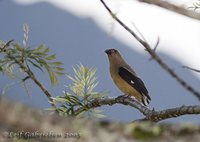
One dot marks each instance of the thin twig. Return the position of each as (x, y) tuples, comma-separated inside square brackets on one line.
[(186, 67), (151, 115), (5, 46), (25, 78), (195, 6), (154, 55), (135, 27), (155, 46), (25, 85), (174, 8)]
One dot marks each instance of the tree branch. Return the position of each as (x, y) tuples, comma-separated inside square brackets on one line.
[(32, 76), (151, 115), (153, 54), (174, 8), (173, 112), (111, 101)]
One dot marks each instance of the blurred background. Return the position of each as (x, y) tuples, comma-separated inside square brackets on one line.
[(79, 31)]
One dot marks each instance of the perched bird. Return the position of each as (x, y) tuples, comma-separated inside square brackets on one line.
[(125, 77)]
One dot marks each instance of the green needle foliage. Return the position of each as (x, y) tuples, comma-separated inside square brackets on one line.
[(81, 91), (20, 61), (16, 58)]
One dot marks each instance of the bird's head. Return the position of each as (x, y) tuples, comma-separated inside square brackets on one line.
[(111, 52), (113, 55)]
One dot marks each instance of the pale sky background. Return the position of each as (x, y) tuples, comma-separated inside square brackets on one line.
[(179, 38)]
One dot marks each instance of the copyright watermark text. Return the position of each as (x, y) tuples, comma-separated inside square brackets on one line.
[(40, 135)]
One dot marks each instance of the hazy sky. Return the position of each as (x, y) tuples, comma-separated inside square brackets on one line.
[(179, 35)]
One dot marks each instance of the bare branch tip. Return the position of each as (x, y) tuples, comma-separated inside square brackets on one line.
[(192, 69)]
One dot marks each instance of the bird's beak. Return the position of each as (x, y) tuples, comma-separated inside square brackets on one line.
[(107, 51)]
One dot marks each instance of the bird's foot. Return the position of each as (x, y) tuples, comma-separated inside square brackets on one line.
[(126, 96)]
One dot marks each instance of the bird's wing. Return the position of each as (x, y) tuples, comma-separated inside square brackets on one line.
[(134, 81)]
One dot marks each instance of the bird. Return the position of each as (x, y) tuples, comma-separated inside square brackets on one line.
[(126, 79)]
